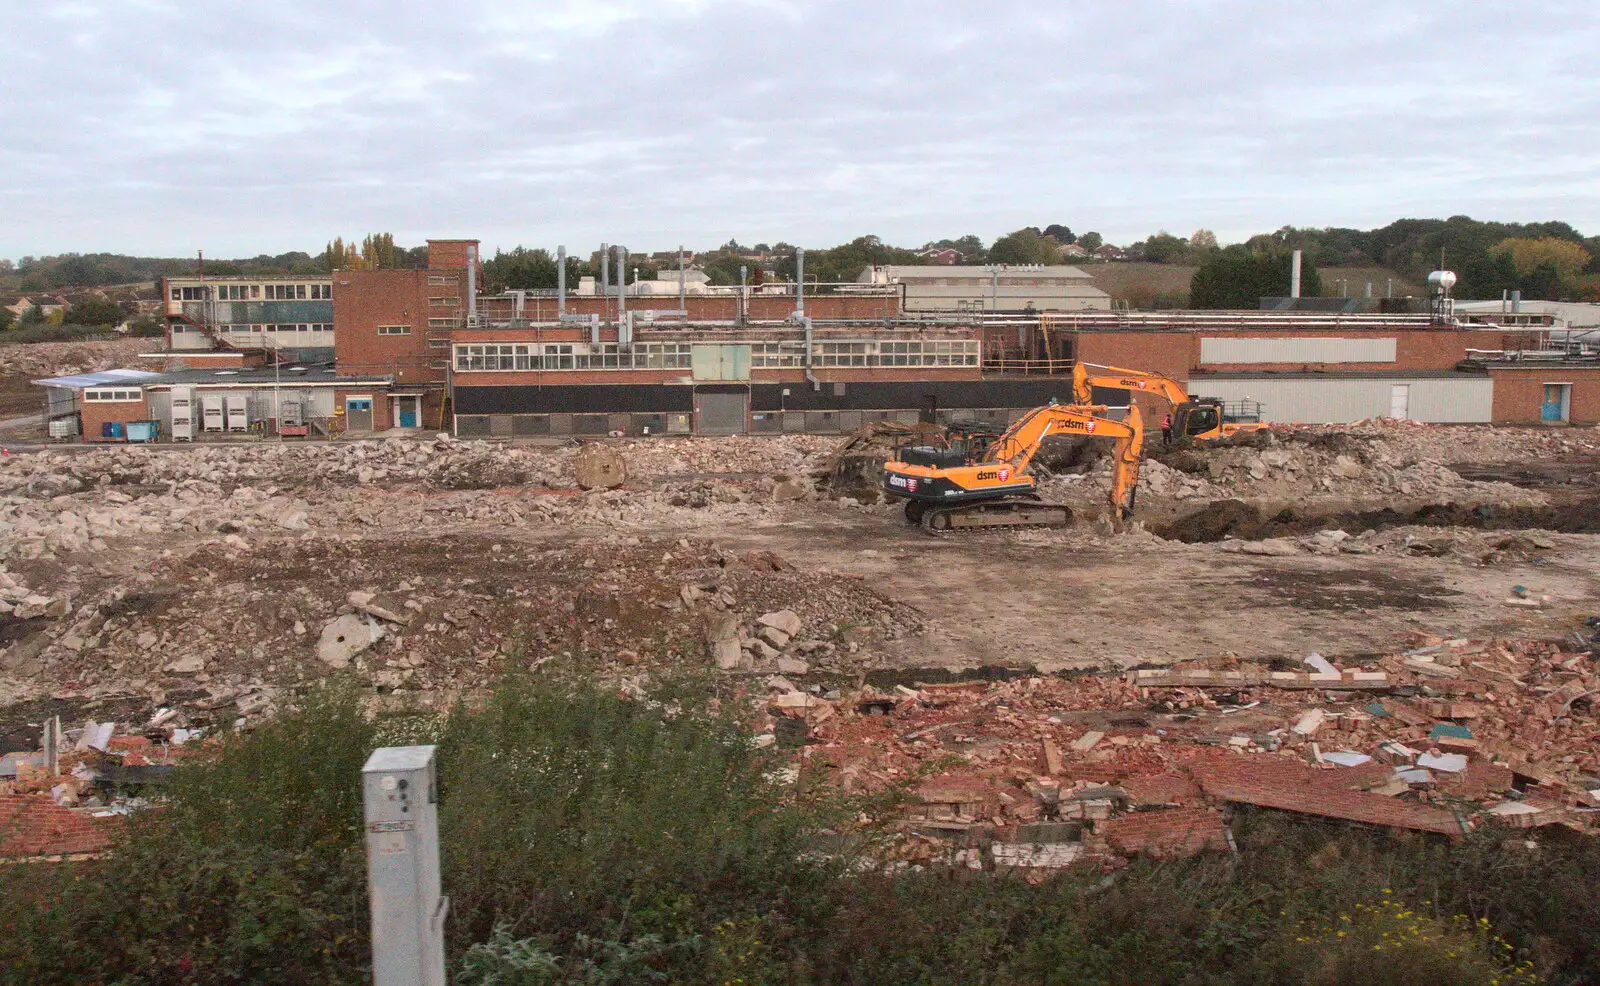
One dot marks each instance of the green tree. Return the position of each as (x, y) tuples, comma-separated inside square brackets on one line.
[(1164, 248), (1239, 277), (7, 319), (1025, 246), (1091, 241), (34, 315), (1203, 239), (1061, 234), (94, 311)]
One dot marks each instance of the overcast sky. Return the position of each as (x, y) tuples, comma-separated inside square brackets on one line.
[(152, 127)]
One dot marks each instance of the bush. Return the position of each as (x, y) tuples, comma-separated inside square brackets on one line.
[(42, 332), (589, 838)]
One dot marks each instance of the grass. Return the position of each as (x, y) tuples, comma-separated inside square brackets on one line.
[(589, 838)]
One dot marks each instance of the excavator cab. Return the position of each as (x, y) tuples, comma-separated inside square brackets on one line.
[(1197, 419)]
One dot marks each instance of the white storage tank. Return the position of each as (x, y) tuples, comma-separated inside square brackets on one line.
[(211, 412), (238, 412)]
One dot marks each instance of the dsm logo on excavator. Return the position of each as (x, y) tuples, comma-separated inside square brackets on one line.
[(1001, 474)]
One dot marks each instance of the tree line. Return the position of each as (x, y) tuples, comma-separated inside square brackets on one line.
[(1548, 260)]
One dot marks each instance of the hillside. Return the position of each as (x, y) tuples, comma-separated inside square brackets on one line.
[(1146, 285)]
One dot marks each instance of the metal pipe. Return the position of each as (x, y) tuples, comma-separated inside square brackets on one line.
[(811, 378), (605, 280), (472, 281), (622, 281), (561, 280), (800, 281), (744, 295), (1294, 275), (682, 290)]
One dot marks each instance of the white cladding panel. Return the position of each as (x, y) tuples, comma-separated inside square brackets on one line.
[(1441, 400), (1310, 349)]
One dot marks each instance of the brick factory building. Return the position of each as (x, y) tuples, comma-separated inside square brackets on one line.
[(427, 349)]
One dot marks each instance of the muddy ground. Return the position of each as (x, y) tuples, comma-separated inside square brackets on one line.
[(208, 575)]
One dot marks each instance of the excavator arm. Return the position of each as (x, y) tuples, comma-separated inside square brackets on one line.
[(1121, 378), (1018, 445)]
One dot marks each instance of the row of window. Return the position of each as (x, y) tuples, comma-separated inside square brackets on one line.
[(955, 352), (676, 355), (275, 327), (253, 292), (572, 356), (394, 330), (113, 395), (444, 300)]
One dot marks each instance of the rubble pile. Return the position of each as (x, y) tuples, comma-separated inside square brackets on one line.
[(422, 616), (1042, 772), (443, 463), (53, 359)]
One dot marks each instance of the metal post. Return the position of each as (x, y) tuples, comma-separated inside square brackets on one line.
[(472, 283), (400, 797), (744, 296), (561, 281), (1294, 275), (683, 305), (605, 281)]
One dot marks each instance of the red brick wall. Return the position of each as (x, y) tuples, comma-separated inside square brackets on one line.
[(451, 255), (366, 299), (34, 825), (96, 413), (382, 416), (1518, 392)]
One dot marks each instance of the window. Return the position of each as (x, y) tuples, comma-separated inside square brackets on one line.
[(495, 357), (255, 291), (106, 396), (322, 327), (441, 323), (841, 354), (661, 356), (440, 364), (321, 292), (441, 279), (438, 343), (394, 330), (952, 352), (191, 294), (443, 301), (300, 291), (177, 294), (771, 354)]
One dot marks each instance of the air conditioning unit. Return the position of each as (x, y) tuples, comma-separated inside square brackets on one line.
[(182, 429), (211, 412)]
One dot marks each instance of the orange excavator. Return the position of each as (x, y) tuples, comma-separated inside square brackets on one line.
[(1199, 418), (988, 484)]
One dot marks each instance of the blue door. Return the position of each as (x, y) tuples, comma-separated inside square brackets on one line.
[(408, 417), (1554, 406)]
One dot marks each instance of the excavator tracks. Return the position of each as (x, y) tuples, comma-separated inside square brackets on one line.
[(940, 521)]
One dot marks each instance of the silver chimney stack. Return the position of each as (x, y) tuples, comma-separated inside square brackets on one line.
[(1294, 275)]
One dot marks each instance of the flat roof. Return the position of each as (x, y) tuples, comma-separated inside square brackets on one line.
[(1336, 374), (101, 378), (919, 271)]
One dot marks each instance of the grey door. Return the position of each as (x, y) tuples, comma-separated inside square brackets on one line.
[(721, 410), (358, 414)]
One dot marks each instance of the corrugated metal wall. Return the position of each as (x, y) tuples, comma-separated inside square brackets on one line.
[(1452, 400), (1312, 349)]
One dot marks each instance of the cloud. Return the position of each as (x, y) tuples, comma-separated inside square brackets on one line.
[(163, 128)]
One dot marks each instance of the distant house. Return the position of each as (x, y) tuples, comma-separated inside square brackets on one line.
[(941, 255), (1108, 252), (47, 306), (1073, 251)]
